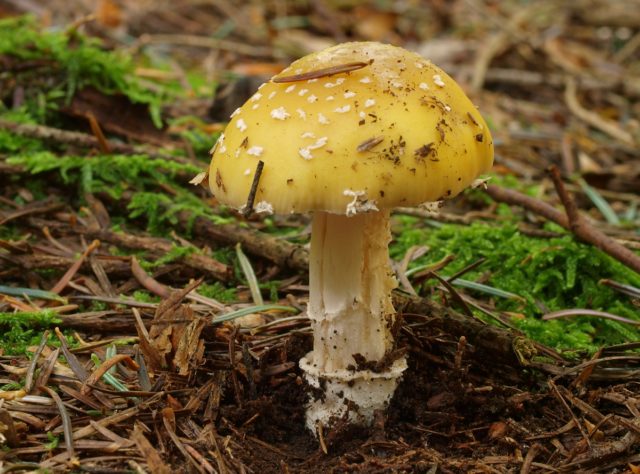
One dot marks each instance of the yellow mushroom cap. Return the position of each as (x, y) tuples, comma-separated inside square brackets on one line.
[(391, 129)]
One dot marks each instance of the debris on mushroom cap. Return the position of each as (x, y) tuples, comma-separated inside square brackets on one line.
[(305, 152), (255, 151), (359, 204), (219, 143), (199, 178), (263, 207), (358, 116), (280, 113), (437, 80)]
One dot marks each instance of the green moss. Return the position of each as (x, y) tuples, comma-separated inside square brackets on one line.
[(11, 143), (226, 255), (12, 386), (53, 443), (549, 274), (115, 174), (9, 232), (39, 318), (145, 297), (112, 174), (175, 253), (194, 131), (161, 210), (24, 329), (65, 62), (218, 291), (96, 305), (272, 287)]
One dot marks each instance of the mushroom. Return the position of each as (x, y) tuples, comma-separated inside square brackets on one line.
[(348, 133)]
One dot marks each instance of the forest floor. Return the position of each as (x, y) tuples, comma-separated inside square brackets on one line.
[(147, 328)]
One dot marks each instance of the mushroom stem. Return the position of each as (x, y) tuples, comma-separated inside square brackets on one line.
[(351, 314), (350, 283)]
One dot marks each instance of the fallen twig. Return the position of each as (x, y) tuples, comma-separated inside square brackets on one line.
[(584, 232), (35, 208), (66, 137), (197, 261)]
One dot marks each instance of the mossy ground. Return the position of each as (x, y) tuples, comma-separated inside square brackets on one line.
[(548, 274)]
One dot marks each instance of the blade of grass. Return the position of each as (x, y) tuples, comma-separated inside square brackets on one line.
[(109, 353), (250, 275), (601, 204), (490, 290), (253, 309), (31, 293)]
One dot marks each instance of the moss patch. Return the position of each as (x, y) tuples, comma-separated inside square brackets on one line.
[(549, 274)]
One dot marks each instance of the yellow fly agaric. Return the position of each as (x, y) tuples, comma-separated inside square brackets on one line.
[(348, 133)]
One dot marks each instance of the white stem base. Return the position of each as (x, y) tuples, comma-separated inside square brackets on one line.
[(360, 393), (350, 283)]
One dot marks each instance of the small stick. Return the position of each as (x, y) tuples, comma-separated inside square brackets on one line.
[(67, 137), (167, 415), (320, 432), (576, 223), (462, 344), (466, 269), (568, 160), (325, 72), (43, 208), (103, 143), (369, 144), (248, 208)]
